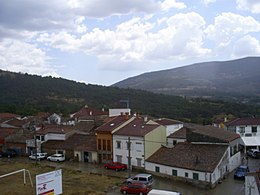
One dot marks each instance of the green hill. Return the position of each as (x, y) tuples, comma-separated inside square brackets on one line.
[(28, 94)]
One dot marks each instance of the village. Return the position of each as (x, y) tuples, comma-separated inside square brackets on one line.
[(186, 152)]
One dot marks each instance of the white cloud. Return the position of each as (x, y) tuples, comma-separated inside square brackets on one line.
[(168, 4), (137, 41), (19, 56), (228, 27), (206, 2), (249, 5), (246, 46)]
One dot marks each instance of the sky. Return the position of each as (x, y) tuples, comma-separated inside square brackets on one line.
[(105, 41)]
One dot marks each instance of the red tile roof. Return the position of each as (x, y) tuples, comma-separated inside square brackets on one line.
[(179, 134), (113, 123), (137, 127), (86, 111), (58, 129), (81, 142), (8, 115), (165, 121), (199, 157), (244, 121), (4, 132), (214, 132)]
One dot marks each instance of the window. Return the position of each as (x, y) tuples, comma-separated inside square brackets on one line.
[(139, 162), (104, 144), (118, 144), (119, 158), (186, 174), (174, 142), (254, 129), (108, 145), (196, 176), (138, 146), (99, 144), (241, 129), (174, 172), (157, 169)]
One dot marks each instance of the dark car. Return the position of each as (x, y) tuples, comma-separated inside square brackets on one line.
[(253, 153), (241, 172), (135, 188), (117, 166), (8, 153)]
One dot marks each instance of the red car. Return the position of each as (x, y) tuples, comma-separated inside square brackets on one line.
[(135, 188), (116, 166)]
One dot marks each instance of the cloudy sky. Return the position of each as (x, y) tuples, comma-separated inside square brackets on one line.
[(105, 41)]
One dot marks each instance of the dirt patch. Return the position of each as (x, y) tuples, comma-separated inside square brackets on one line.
[(73, 182)]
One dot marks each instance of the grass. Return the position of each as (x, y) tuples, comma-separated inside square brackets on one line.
[(73, 182)]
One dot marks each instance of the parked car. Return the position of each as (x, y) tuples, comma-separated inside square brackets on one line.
[(8, 153), (241, 172), (117, 166), (56, 157), (135, 188), (147, 179), (39, 156), (253, 153)]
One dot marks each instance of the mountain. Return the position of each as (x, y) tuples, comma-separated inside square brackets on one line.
[(26, 94), (220, 79)]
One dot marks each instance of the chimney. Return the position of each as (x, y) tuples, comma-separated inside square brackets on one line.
[(126, 115), (145, 119)]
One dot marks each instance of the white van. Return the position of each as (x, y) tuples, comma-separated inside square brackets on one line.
[(147, 179), (162, 192)]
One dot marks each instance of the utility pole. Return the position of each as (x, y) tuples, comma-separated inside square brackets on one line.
[(129, 157), (35, 142)]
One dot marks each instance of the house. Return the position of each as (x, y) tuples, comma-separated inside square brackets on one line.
[(171, 126), (104, 137), (192, 160), (79, 147), (18, 141), (137, 140), (176, 137), (90, 114), (47, 133), (7, 116), (54, 119), (248, 129), (4, 133), (200, 164)]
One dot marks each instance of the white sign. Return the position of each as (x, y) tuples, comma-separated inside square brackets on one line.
[(49, 183)]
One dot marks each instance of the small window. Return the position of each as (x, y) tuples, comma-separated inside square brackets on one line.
[(254, 129), (157, 169), (99, 144), (174, 172), (196, 176), (241, 129), (118, 144), (186, 174)]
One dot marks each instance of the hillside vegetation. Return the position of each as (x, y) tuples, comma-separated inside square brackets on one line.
[(236, 80), (28, 94)]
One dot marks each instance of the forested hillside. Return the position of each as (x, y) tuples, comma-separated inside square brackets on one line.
[(225, 80), (28, 94)]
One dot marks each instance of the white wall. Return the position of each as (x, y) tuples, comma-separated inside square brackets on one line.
[(172, 128), (248, 129), (167, 170), (117, 112), (137, 150), (53, 136)]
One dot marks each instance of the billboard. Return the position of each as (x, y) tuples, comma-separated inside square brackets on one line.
[(49, 183)]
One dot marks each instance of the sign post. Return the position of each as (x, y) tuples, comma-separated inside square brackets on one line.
[(49, 183)]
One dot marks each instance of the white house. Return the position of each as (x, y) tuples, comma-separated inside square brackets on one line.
[(170, 124), (201, 164), (248, 129), (176, 137), (139, 140)]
